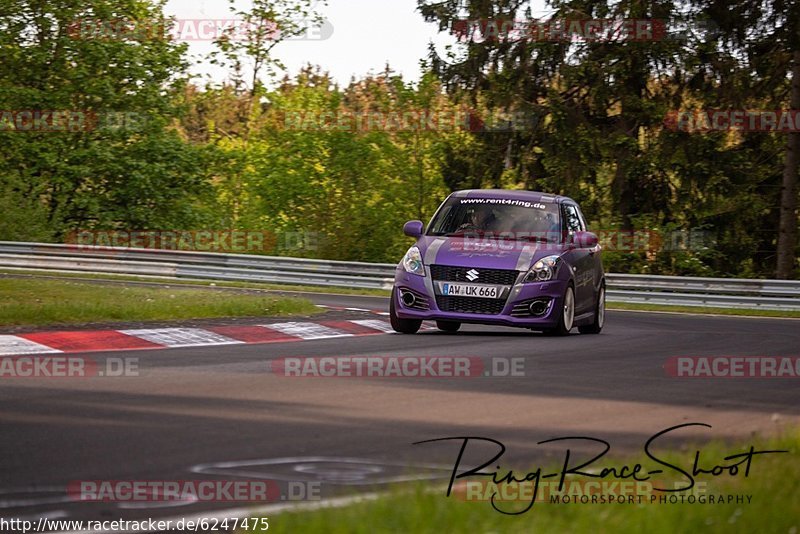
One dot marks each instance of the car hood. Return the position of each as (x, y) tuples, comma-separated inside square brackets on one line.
[(484, 253)]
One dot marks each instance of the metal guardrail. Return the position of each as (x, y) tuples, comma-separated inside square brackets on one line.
[(195, 265), (632, 288)]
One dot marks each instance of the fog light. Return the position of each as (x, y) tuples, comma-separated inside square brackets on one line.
[(538, 307), (408, 298)]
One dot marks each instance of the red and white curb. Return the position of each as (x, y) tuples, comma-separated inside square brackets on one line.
[(162, 338)]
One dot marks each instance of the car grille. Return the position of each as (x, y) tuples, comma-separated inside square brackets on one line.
[(470, 305), (485, 276)]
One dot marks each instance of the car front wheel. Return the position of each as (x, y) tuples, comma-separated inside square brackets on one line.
[(599, 315), (567, 315), (404, 326)]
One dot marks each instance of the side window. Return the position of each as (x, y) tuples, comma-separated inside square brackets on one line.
[(572, 218), (584, 226), (442, 220)]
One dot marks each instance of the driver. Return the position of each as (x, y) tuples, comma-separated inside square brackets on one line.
[(479, 219), (554, 233)]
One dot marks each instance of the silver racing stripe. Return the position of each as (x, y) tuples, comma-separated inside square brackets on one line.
[(523, 264), (433, 251), (525, 257), (429, 259)]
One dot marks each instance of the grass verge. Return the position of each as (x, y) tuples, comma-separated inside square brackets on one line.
[(39, 302), (701, 310), (772, 485), (208, 283), (382, 293)]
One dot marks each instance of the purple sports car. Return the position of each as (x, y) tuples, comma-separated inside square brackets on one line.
[(512, 258)]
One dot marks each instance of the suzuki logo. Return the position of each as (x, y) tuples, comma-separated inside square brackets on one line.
[(472, 275)]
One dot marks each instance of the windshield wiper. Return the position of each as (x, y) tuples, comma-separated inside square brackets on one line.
[(499, 236), (464, 232), (536, 238)]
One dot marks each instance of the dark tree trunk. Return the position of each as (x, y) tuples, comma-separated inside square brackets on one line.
[(787, 232)]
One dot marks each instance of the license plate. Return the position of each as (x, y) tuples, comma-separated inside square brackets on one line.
[(472, 290)]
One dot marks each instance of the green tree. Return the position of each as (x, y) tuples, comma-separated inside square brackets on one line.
[(126, 166)]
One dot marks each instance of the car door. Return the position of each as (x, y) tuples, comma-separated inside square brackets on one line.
[(581, 259), (594, 263)]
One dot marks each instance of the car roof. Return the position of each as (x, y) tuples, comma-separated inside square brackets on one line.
[(512, 194)]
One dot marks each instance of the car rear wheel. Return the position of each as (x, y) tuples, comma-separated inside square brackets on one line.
[(599, 315), (448, 326), (567, 316), (404, 326)]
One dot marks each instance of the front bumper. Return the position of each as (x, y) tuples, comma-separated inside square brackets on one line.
[(520, 294)]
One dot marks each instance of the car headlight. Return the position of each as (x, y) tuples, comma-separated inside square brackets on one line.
[(543, 270), (412, 262)]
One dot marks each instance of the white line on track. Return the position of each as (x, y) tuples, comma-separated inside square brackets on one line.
[(182, 337), (375, 324), (14, 346), (307, 330)]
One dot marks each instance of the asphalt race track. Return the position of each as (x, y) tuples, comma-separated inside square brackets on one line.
[(218, 413)]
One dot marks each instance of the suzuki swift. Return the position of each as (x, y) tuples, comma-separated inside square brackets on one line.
[(497, 257)]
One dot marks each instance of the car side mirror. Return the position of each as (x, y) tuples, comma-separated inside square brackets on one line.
[(413, 228), (584, 239)]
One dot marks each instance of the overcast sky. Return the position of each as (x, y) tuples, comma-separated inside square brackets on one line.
[(366, 35)]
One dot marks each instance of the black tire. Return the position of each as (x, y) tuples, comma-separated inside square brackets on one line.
[(599, 315), (566, 319), (403, 326), (448, 326)]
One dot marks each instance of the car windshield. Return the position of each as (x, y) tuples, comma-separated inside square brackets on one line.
[(513, 219)]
